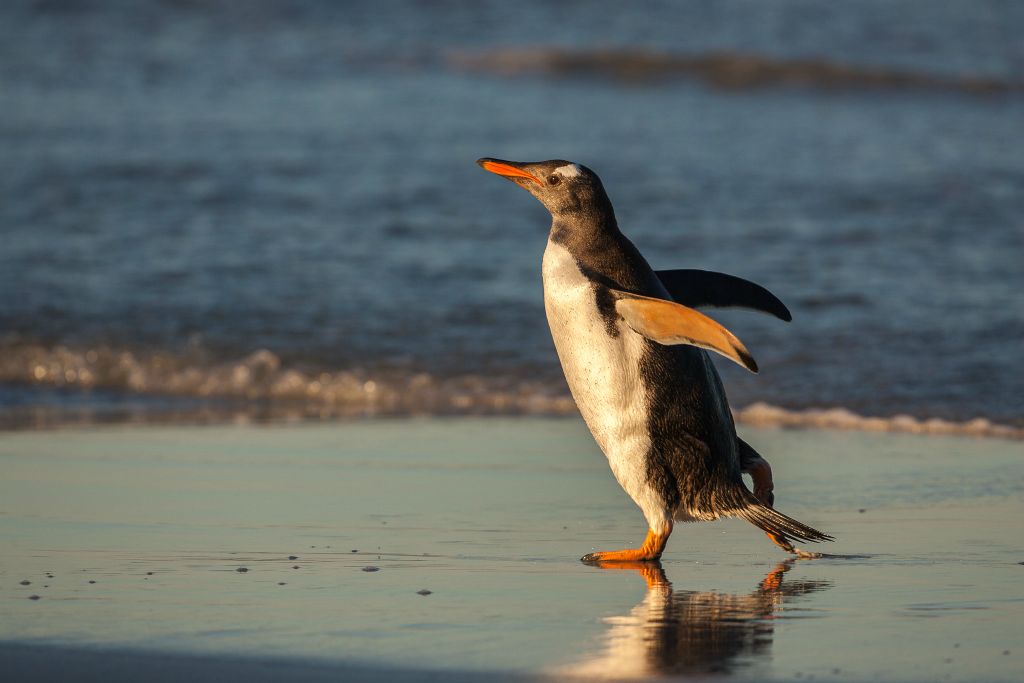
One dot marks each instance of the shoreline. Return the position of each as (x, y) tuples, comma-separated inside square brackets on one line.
[(136, 409), (43, 386)]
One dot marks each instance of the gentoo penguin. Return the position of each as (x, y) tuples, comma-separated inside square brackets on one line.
[(633, 350)]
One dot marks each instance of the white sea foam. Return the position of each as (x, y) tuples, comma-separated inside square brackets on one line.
[(262, 377), (766, 415)]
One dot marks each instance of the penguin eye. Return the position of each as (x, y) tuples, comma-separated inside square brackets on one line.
[(553, 180)]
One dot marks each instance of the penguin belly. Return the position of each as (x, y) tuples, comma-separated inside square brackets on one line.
[(602, 363)]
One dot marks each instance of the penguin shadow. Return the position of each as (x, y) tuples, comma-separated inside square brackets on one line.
[(675, 632)]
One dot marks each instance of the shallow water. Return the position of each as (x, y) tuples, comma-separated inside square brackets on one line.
[(490, 516), (190, 183)]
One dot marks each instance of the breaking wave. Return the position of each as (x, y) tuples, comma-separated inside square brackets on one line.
[(731, 70), (765, 415), (261, 376), (260, 384)]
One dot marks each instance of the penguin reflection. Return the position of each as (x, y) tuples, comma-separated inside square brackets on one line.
[(689, 632)]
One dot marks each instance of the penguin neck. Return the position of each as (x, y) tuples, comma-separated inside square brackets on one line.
[(600, 250), (586, 230)]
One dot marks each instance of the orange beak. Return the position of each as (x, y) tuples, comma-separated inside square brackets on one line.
[(507, 170)]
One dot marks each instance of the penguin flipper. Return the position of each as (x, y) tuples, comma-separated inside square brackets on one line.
[(669, 323), (697, 288)]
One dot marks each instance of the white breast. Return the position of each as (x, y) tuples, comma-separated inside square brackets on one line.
[(602, 372)]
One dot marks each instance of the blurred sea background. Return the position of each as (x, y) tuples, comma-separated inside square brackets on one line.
[(253, 209)]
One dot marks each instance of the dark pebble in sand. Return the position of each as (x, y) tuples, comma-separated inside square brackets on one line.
[(49, 576), (281, 583), (295, 566), (26, 582), (371, 569), (1006, 652), (862, 511), (242, 570), (423, 592), (293, 557), (356, 551), (33, 597), (46, 585), (149, 573), (91, 581)]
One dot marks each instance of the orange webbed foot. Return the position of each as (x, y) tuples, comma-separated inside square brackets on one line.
[(650, 551), (781, 541), (627, 555)]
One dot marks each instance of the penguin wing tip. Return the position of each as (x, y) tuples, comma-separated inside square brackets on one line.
[(748, 361)]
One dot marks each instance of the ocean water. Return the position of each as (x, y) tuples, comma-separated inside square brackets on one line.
[(230, 208)]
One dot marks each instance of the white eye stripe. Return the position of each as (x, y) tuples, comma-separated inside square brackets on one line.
[(568, 171)]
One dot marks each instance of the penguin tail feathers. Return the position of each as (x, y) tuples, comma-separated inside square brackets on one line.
[(774, 522)]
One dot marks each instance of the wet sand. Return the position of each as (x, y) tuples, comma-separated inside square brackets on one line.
[(391, 548)]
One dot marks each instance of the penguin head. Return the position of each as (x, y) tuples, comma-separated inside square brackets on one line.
[(563, 187)]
